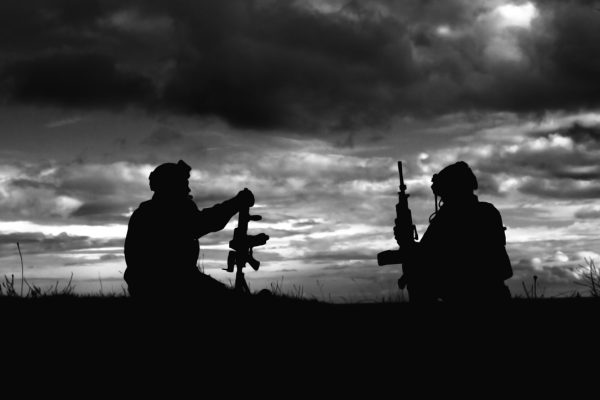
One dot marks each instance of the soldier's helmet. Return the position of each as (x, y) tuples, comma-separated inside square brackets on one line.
[(170, 177), (455, 179)]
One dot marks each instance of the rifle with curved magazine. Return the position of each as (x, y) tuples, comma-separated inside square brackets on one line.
[(242, 246), (406, 236)]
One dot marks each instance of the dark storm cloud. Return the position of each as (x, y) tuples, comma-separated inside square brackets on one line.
[(267, 64), (75, 80), (31, 184), (560, 163), (163, 136), (97, 193), (347, 255), (588, 213), (38, 243), (551, 157), (113, 211), (79, 193), (588, 136), (305, 224), (488, 185), (110, 257), (380, 75), (558, 266), (566, 272), (276, 65), (560, 189)]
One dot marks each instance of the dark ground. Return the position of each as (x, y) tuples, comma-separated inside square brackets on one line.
[(258, 344), (276, 318)]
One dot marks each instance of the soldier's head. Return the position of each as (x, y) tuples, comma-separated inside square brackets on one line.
[(171, 179), (456, 181)]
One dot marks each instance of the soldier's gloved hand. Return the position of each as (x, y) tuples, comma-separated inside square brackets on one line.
[(245, 198)]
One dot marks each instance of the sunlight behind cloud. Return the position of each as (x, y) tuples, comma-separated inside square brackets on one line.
[(501, 25), (130, 20), (517, 15)]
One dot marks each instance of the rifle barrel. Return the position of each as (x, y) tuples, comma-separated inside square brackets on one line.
[(402, 185)]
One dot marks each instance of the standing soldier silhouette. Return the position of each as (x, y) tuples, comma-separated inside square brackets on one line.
[(462, 255), (162, 248)]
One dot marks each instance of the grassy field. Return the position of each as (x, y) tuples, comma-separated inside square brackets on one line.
[(64, 307), (61, 317), (269, 339)]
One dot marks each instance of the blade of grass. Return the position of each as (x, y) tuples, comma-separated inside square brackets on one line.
[(22, 268)]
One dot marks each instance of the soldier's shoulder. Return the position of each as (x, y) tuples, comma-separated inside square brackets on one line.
[(487, 207), (143, 208), (144, 205), (488, 211)]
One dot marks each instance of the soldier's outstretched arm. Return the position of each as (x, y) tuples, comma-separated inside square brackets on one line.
[(213, 219)]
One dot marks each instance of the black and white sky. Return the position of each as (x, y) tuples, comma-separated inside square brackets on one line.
[(309, 103)]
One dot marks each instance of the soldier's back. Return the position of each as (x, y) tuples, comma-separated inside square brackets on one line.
[(160, 248), (464, 245)]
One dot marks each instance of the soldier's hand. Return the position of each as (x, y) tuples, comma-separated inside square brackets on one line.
[(245, 198)]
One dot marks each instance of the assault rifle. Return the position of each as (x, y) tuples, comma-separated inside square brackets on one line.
[(242, 246), (406, 236)]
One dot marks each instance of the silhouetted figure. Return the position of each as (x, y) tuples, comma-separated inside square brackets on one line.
[(161, 247), (462, 255)]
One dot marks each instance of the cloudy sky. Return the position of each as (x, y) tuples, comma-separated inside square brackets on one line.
[(308, 103)]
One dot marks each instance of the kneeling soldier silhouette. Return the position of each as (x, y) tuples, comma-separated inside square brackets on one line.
[(462, 255), (463, 249), (162, 248)]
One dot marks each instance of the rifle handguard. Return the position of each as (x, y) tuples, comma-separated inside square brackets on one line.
[(242, 244), (258, 240), (251, 241)]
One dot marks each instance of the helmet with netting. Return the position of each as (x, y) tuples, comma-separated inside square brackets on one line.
[(457, 178), (169, 176)]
